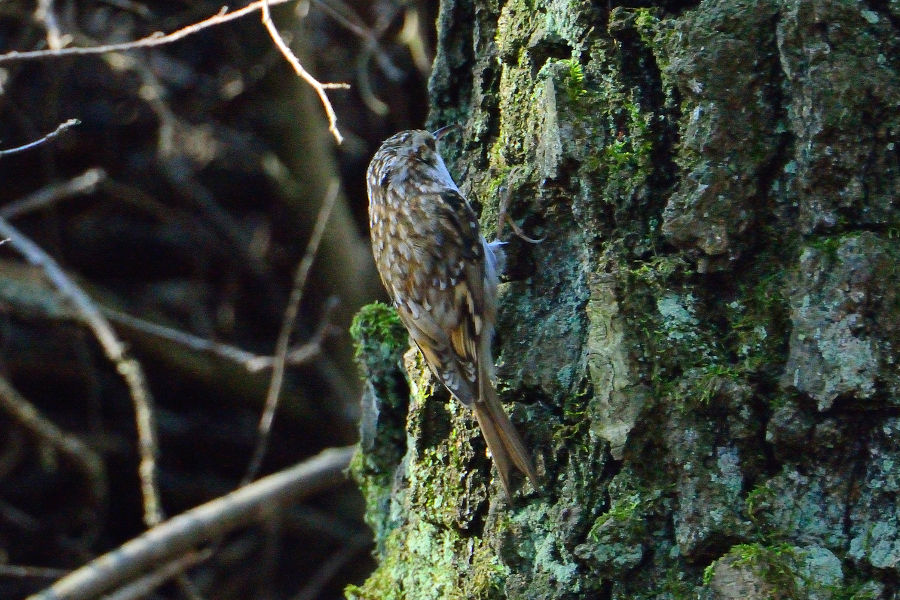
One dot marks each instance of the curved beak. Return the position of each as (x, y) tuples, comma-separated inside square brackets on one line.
[(444, 130)]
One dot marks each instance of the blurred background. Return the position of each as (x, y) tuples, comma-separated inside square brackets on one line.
[(185, 199)]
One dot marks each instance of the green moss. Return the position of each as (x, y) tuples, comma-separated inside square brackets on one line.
[(676, 585), (863, 590), (623, 512), (632, 145), (575, 424), (425, 525), (421, 559), (761, 495), (574, 80), (581, 134), (758, 323), (381, 339), (709, 382), (794, 573), (773, 564), (756, 554), (708, 572), (660, 271), (689, 363), (827, 244), (647, 24), (617, 539), (377, 332)]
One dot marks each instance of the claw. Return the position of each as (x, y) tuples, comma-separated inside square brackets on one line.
[(521, 235), (503, 218)]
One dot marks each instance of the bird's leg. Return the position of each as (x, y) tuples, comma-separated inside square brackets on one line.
[(503, 218)]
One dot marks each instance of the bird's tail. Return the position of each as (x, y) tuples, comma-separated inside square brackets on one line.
[(504, 442)]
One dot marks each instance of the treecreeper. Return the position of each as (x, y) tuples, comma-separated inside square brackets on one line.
[(442, 277)]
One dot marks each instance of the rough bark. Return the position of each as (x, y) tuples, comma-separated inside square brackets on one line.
[(703, 349)]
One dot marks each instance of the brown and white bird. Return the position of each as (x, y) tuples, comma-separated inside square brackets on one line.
[(442, 277)]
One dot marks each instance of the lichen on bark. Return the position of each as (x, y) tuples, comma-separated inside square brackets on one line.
[(702, 349)]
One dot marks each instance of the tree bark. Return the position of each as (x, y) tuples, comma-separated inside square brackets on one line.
[(702, 351)]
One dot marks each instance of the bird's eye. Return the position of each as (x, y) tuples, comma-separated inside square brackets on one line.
[(425, 152)]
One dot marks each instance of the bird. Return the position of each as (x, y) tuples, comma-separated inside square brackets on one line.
[(442, 276)]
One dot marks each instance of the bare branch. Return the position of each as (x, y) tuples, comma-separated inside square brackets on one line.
[(327, 571), (287, 326), (76, 451), (29, 571), (85, 183), (144, 586), (352, 21), (62, 127), (44, 14), (156, 39), (128, 368), (223, 16), (252, 362), (202, 524), (303, 73)]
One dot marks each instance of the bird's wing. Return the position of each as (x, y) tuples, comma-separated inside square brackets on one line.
[(444, 297)]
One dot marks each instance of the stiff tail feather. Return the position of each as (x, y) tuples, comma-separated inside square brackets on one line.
[(504, 442)]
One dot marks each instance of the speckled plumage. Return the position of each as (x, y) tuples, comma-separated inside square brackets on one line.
[(442, 277)]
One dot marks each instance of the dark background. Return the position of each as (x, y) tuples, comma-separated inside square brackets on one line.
[(215, 159)]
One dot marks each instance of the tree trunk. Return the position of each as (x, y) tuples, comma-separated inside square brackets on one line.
[(702, 351)]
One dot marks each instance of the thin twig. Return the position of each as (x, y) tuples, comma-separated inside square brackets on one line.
[(130, 6), (23, 571), (352, 21), (85, 183), (62, 127), (151, 41), (414, 40), (303, 73), (199, 525), (44, 14), (182, 338), (76, 451), (9, 513), (287, 326), (144, 586), (325, 572), (385, 20), (372, 102), (349, 19), (302, 354), (252, 362), (128, 368), (223, 16)]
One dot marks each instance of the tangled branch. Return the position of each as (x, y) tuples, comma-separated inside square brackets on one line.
[(181, 534), (223, 16)]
